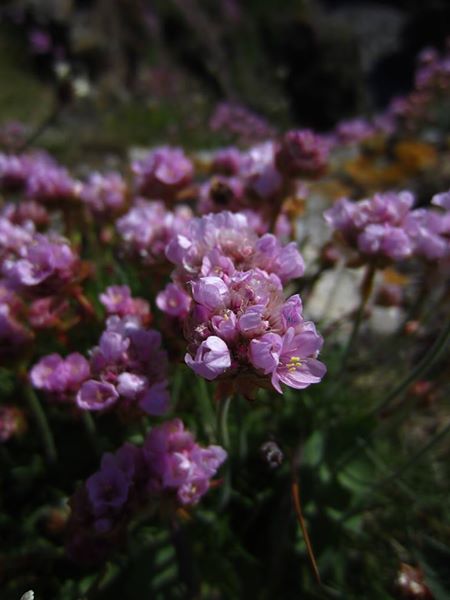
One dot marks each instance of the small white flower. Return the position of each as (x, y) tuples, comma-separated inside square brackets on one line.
[(28, 595)]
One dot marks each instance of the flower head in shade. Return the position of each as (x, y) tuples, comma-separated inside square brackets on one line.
[(163, 173), (14, 335), (104, 193), (47, 312), (375, 227), (60, 377), (302, 153), (354, 131), (12, 422), (128, 368), (227, 161), (148, 227), (178, 464), (171, 467), (117, 300)]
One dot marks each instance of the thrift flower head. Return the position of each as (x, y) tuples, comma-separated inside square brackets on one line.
[(241, 328), (375, 227), (128, 368), (117, 300), (223, 242), (302, 153), (163, 173), (171, 467), (104, 193), (60, 377), (149, 227), (44, 261)]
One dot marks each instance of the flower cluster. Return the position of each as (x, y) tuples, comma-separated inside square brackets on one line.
[(240, 326), (170, 465), (228, 290), (375, 227), (225, 242), (385, 228), (104, 193), (128, 367), (14, 335), (239, 121), (47, 262), (117, 300), (302, 153), (163, 173), (60, 377), (148, 227)]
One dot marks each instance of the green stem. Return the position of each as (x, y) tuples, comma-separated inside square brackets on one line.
[(223, 434), (41, 423), (420, 369), (223, 437), (395, 474), (366, 289), (91, 431)]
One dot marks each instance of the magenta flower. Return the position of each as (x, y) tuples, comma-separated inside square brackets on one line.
[(58, 376), (375, 227), (174, 301), (42, 261), (227, 161), (117, 300), (14, 171), (245, 331), (13, 333), (148, 228), (259, 173), (391, 242), (163, 173), (127, 368), (210, 292), (171, 468), (179, 464), (96, 395), (429, 233), (302, 153), (107, 490), (212, 358), (48, 182), (104, 193), (442, 200), (220, 243), (354, 131)]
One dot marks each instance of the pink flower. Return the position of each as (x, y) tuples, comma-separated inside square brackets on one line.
[(211, 360)]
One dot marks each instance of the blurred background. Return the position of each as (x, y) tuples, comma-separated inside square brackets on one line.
[(146, 71)]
